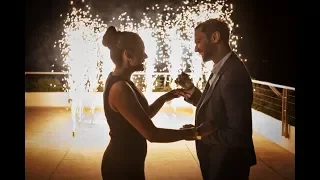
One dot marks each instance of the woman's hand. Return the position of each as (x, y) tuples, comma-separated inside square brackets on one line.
[(176, 93)]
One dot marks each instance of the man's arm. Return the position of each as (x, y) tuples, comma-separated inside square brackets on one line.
[(237, 99), (195, 96)]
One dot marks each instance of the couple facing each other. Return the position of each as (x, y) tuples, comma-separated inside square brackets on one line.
[(223, 122)]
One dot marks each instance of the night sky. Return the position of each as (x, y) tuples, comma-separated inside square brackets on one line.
[(267, 29)]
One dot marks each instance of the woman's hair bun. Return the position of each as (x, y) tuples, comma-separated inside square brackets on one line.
[(110, 37)]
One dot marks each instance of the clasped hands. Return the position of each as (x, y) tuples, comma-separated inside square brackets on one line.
[(176, 93), (185, 82), (190, 126), (204, 129)]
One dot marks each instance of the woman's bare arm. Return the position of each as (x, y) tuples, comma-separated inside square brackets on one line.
[(156, 106), (123, 100)]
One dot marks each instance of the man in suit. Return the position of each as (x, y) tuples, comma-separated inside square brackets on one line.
[(223, 118)]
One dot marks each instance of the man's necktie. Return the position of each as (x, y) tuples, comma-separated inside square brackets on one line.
[(203, 95), (205, 89), (207, 85)]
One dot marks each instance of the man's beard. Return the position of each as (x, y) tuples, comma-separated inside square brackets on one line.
[(209, 52)]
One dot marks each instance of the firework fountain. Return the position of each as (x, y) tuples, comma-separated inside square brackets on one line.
[(168, 38)]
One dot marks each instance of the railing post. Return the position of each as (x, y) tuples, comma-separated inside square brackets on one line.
[(285, 126), (165, 81)]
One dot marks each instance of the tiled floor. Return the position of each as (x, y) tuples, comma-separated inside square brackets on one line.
[(52, 153)]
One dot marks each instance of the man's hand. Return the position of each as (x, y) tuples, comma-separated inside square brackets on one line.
[(188, 126), (184, 81), (176, 93), (205, 128)]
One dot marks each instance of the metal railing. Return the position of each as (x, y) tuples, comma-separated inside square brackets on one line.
[(274, 100), (277, 101)]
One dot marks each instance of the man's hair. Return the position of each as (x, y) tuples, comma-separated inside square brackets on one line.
[(212, 25)]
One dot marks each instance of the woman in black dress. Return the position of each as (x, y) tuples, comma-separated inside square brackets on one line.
[(128, 112)]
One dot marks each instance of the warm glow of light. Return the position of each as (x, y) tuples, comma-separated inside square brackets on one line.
[(88, 63)]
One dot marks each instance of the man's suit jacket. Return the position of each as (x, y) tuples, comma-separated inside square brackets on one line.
[(227, 105)]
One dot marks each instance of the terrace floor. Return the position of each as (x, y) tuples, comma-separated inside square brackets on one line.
[(52, 153)]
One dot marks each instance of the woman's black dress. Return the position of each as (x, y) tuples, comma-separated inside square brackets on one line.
[(125, 155)]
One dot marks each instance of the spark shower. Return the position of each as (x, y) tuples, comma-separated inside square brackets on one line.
[(168, 36)]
